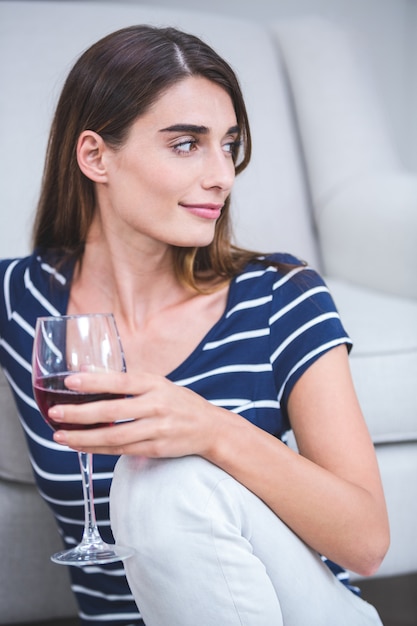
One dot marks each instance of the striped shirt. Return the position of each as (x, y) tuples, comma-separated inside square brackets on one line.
[(275, 325)]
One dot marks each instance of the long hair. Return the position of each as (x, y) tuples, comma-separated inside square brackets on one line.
[(113, 83)]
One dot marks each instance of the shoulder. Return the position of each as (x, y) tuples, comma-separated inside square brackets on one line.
[(292, 293), (31, 278), (280, 286), (279, 273), (300, 313), (6, 265), (38, 264), (12, 272)]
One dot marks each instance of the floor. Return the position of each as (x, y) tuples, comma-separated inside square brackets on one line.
[(395, 599)]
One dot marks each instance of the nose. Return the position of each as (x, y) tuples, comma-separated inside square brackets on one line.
[(218, 170)]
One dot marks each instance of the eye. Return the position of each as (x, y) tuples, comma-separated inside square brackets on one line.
[(232, 147), (185, 146)]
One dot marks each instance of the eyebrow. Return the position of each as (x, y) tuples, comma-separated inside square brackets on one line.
[(194, 128)]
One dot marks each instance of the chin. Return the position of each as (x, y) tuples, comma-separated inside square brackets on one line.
[(194, 240)]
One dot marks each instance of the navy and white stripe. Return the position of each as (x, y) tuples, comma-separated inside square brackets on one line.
[(275, 325), (32, 287)]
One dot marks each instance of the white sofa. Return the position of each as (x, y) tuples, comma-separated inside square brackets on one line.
[(325, 183)]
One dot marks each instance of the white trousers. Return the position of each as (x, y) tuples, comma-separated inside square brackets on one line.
[(210, 553)]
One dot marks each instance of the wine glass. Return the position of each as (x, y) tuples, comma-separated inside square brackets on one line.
[(65, 345)]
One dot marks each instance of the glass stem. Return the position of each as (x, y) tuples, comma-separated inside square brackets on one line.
[(91, 533)]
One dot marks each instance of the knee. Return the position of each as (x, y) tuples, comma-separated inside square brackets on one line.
[(154, 501)]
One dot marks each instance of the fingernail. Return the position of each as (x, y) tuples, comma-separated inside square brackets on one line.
[(73, 381), (60, 436), (56, 413)]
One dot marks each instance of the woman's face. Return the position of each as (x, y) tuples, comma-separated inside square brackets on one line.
[(169, 181)]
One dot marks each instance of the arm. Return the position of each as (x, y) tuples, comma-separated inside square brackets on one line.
[(330, 494)]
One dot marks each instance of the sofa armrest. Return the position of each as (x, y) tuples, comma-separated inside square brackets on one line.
[(368, 233), (364, 203)]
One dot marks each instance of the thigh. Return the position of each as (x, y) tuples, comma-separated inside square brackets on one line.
[(209, 551)]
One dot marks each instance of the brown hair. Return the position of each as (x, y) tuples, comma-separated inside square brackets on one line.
[(114, 82)]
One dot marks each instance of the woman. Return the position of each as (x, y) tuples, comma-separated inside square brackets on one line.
[(226, 350)]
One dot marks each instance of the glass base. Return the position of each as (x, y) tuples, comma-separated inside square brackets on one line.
[(92, 554)]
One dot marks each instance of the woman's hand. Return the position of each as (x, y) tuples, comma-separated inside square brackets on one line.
[(156, 418)]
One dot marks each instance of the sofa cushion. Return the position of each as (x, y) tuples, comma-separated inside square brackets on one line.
[(31, 586), (375, 213), (384, 358), (14, 459)]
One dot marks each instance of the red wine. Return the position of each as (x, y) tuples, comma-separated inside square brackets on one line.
[(51, 390)]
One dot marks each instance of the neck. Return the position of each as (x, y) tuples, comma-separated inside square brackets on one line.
[(132, 281)]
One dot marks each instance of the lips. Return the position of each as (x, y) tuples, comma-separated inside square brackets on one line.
[(208, 211)]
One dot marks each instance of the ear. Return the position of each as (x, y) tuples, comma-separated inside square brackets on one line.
[(90, 153)]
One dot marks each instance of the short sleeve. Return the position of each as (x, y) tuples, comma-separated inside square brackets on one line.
[(304, 324)]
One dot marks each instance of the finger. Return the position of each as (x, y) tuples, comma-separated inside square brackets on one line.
[(93, 412), (117, 439), (111, 382)]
